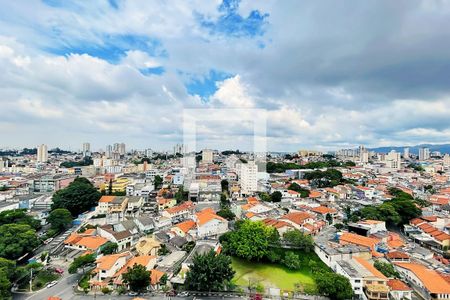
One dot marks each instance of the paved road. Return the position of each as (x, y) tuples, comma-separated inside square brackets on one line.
[(63, 289)]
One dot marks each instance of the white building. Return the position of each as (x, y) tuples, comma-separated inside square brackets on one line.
[(248, 178), (424, 153), (393, 160), (406, 153), (86, 149), (446, 160), (207, 156), (42, 153)]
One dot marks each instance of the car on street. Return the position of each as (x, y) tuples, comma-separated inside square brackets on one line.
[(53, 283)]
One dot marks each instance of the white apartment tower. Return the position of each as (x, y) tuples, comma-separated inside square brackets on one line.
[(424, 153), (42, 153), (447, 160), (207, 156), (393, 160), (86, 149), (406, 153), (248, 178)]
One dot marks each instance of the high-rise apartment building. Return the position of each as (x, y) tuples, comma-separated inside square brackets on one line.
[(424, 153), (393, 160), (406, 153), (207, 156), (446, 160), (42, 153), (248, 178), (122, 149), (86, 149), (109, 150)]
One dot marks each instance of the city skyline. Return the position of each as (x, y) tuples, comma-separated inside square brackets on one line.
[(126, 71)]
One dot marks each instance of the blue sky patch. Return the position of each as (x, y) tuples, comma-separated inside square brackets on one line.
[(152, 71), (231, 23), (206, 86), (113, 47)]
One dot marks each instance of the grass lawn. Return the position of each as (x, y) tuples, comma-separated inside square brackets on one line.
[(274, 275), (40, 280)]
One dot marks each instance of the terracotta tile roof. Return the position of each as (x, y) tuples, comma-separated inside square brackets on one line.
[(323, 210), (430, 218), (206, 216), (397, 255), (358, 240), (398, 285), (186, 225), (315, 194), (106, 199), (416, 221), (92, 242), (297, 217), (442, 237), (369, 267), (155, 276), (143, 260), (430, 278), (188, 205), (276, 223), (107, 261)]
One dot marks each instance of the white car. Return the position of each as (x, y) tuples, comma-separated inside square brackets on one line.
[(53, 283)]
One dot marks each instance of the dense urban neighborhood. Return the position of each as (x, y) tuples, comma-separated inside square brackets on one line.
[(350, 223)]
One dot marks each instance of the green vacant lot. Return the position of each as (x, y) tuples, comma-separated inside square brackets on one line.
[(273, 275)]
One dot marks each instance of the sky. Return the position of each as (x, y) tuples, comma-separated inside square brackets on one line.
[(321, 74)]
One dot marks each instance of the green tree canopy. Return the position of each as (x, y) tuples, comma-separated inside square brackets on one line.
[(250, 240), (304, 193), (386, 268), (158, 181), (226, 213), (60, 219), (16, 240), (334, 286), (209, 272), (80, 262), (137, 277), (18, 216), (78, 197), (109, 248), (292, 261), (276, 196), (298, 239)]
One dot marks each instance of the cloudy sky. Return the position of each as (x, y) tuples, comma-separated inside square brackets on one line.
[(324, 74)]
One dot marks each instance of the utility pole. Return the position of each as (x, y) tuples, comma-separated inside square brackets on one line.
[(31, 280)]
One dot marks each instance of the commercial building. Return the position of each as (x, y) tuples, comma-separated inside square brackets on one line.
[(42, 153)]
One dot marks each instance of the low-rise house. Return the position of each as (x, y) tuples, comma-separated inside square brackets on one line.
[(147, 246), (155, 278), (145, 223), (297, 219), (184, 228), (427, 282), (180, 212), (351, 238), (399, 290), (107, 266), (367, 282), (209, 224), (148, 261), (398, 256), (123, 239), (84, 242)]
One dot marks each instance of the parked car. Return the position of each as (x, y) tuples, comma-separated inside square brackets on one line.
[(53, 283), (59, 270)]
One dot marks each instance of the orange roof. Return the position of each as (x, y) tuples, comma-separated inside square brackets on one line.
[(297, 217), (358, 240), (276, 223), (398, 285), (91, 242), (207, 215), (107, 261), (315, 194), (179, 208), (395, 244), (185, 226), (323, 210), (397, 255), (54, 298), (431, 279), (155, 276), (89, 231), (106, 199), (252, 200), (142, 260), (250, 214), (369, 267)]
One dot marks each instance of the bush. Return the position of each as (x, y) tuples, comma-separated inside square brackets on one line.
[(106, 290)]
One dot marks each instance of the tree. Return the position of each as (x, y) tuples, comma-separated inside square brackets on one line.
[(18, 216), (250, 240), (224, 184), (329, 218), (60, 219), (181, 195), (137, 278), (78, 197), (304, 193), (298, 239), (209, 272), (163, 279), (109, 248), (158, 181), (163, 250), (292, 261), (7, 272), (334, 286), (264, 197), (276, 196), (386, 268), (16, 240), (226, 213), (81, 261)]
